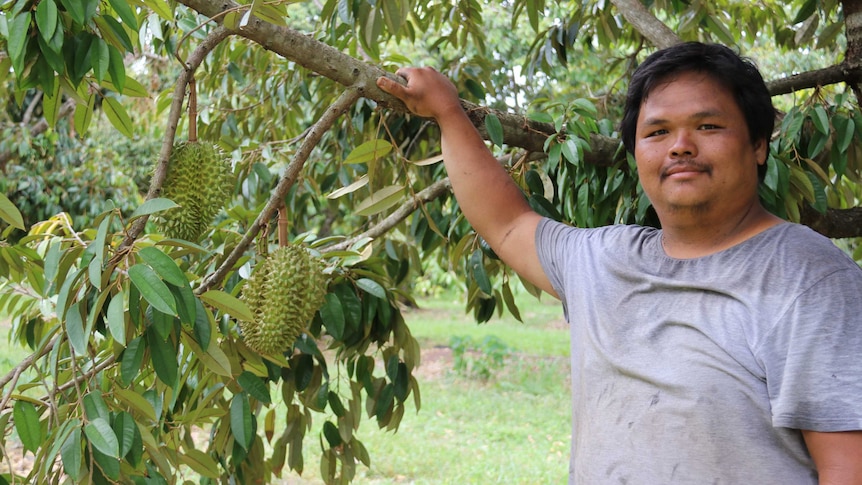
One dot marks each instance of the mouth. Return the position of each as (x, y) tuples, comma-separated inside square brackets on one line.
[(685, 169)]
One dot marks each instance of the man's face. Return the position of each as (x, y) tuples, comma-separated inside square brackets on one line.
[(693, 150)]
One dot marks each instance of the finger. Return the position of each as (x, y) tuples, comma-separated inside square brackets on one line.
[(390, 86)]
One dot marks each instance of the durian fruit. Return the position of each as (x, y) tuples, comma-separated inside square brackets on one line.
[(283, 292), (200, 181)]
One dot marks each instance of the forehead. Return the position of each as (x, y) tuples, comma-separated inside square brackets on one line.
[(685, 92)]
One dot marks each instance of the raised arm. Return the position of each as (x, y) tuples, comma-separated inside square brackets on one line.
[(490, 200)]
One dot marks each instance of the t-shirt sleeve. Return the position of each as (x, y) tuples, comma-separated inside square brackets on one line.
[(813, 357), (551, 241)]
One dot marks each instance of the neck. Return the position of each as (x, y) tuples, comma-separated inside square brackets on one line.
[(693, 233)]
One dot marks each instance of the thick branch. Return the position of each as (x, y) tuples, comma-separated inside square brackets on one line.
[(840, 73), (646, 23), (347, 99), (331, 63), (835, 223)]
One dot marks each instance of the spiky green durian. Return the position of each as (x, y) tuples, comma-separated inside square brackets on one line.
[(200, 181), (283, 292)]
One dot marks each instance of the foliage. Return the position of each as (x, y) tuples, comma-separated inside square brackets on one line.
[(135, 338)]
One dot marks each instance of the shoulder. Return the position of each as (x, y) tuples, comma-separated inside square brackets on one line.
[(806, 249), (550, 231)]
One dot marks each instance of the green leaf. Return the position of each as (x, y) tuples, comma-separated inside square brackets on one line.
[(372, 287), (125, 428), (254, 386), (132, 359), (116, 69), (124, 11), (203, 328), (27, 425), (84, 114), (153, 289), (108, 465), (78, 337), (844, 130), (495, 129), (330, 432), (477, 269), (118, 116), (807, 10), (240, 420), (114, 33), (76, 9), (161, 8), (164, 265), (369, 151), (152, 206), (72, 454), (228, 303), (332, 315), (95, 407), (10, 213), (102, 437), (380, 201), (117, 318), (201, 463), (16, 44), (100, 59), (164, 358), (820, 119), (46, 19)]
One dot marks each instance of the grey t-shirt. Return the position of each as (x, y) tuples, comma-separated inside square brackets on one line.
[(702, 371)]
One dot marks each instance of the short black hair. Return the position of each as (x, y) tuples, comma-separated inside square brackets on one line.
[(737, 74)]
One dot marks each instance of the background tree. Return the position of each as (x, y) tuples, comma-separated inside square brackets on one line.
[(134, 335)]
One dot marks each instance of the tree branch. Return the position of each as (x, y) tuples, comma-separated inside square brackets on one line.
[(835, 223), (653, 29), (432, 192), (839, 73), (347, 99)]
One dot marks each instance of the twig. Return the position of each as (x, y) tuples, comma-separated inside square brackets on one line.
[(16, 372), (433, 191), (339, 107)]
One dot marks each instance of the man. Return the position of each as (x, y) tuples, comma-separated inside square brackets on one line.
[(725, 347)]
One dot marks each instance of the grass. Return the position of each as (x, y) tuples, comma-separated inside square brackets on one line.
[(510, 428)]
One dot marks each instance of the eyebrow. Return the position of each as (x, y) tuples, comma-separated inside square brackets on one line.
[(708, 113)]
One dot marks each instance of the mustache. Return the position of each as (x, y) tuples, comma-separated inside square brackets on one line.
[(687, 164)]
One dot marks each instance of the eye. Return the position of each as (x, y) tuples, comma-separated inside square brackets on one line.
[(656, 133), (709, 126)]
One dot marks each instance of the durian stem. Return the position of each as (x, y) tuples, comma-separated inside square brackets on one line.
[(193, 110), (282, 225)]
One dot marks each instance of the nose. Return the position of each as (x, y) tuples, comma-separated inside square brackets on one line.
[(683, 145)]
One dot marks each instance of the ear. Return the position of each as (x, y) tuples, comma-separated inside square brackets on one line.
[(761, 151)]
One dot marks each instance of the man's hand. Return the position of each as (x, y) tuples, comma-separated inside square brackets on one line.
[(837, 456), (427, 93)]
